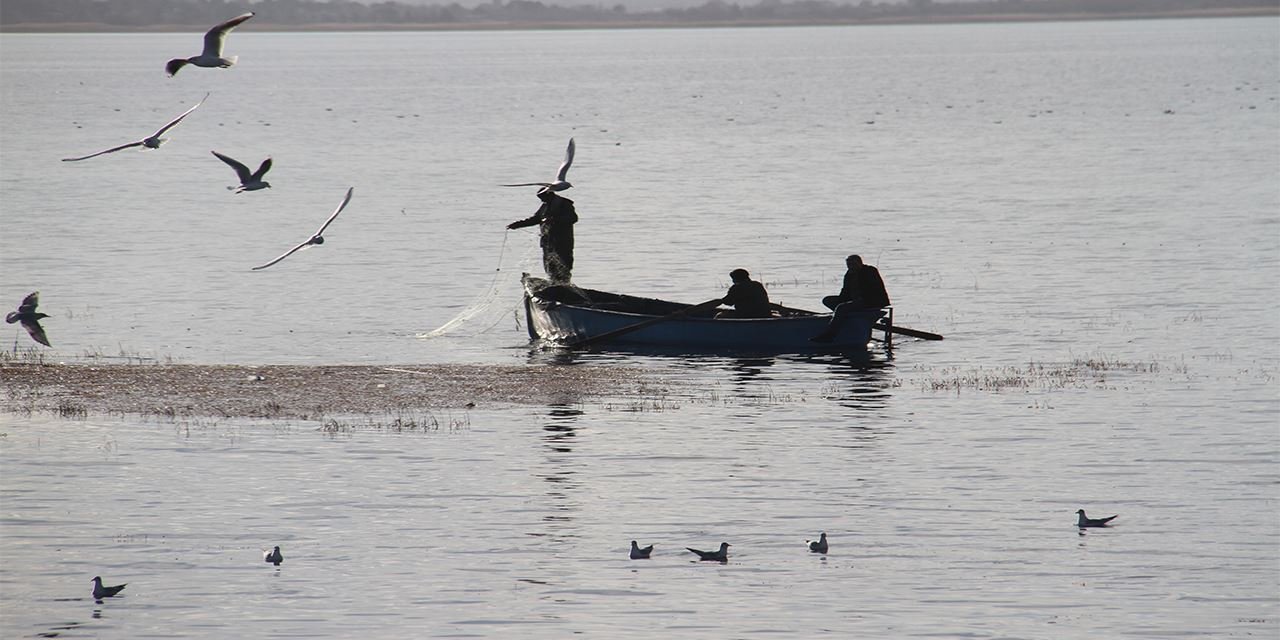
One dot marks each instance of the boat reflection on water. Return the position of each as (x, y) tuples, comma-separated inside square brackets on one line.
[(859, 380), (559, 436), (747, 370)]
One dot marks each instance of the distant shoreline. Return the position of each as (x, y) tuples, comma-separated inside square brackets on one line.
[(641, 22)]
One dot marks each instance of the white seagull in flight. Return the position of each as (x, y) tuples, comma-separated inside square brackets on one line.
[(317, 238), (212, 54), (248, 181), (560, 184), (151, 142)]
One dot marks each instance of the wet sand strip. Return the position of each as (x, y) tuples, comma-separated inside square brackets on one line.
[(306, 392)]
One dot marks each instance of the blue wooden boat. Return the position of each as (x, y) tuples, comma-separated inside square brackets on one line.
[(573, 316)]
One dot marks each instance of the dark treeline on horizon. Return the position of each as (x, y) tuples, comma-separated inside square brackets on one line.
[(143, 13)]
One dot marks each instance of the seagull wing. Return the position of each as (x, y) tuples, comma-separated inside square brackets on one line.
[(175, 121), (29, 303), (527, 184), (283, 255), (241, 170), (342, 206), (36, 331), (568, 161), (111, 150), (262, 169), (216, 36)]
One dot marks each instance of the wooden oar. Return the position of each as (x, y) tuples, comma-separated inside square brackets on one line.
[(909, 332), (608, 335)]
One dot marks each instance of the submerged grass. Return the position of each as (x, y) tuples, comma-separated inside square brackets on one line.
[(401, 422), (1079, 373)]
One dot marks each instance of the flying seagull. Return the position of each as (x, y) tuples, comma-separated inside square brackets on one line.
[(1085, 521), (638, 553), (560, 184), (30, 318), (718, 556), (273, 556), (212, 54), (317, 238), (819, 545), (151, 142), (248, 181), (100, 592)]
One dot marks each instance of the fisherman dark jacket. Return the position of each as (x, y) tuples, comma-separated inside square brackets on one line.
[(749, 299), (555, 218), (865, 288)]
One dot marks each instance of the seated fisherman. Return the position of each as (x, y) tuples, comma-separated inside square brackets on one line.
[(863, 290), (747, 297)]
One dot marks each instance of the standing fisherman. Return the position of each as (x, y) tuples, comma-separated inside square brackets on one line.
[(555, 218)]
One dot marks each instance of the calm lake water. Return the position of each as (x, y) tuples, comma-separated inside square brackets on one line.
[(1090, 212)]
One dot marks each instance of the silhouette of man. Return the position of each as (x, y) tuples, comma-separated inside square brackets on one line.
[(863, 290), (747, 297), (555, 218)]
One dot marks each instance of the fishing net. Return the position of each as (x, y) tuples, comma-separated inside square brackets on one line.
[(504, 287)]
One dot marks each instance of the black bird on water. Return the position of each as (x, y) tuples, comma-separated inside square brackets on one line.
[(819, 545), (715, 556), (100, 592), (273, 556), (1085, 521), (640, 553), (30, 318)]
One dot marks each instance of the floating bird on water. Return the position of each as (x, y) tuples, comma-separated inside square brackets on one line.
[(151, 142), (1085, 521), (273, 556), (819, 545), (100, 592), (316, 238), (30, 318), (248, 181), (559, 184), (212, 54), (638, 553), (718, 556)]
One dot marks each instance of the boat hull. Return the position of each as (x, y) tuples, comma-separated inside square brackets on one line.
[(567, 315)]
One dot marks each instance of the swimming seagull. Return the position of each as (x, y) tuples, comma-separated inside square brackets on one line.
[(248, 181), (30, 318), (560, 184), (273, 556), (819, 545), (100, 592), (317, 238), (1085, 521), (151, 142), (638, 553), (212, 54), (718, 556)]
